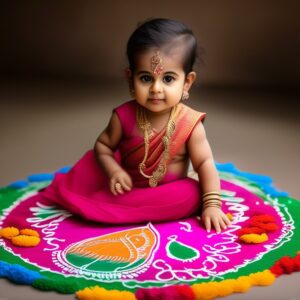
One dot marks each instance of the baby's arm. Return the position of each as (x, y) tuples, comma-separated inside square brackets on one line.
[(203, 163), (104, 148)]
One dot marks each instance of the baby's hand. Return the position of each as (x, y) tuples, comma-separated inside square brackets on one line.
[(214, 216), (120, 181)]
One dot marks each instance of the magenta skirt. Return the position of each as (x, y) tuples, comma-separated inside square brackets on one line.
[(84, 191)]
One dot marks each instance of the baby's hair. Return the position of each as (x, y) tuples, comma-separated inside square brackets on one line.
[(159, 33)]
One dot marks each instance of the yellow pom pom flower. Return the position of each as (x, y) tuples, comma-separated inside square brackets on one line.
[(230, 216), (98, 293), (9, 232), (205, 291), (25, 241), (212, 290), (29, 232), (85, 294), (253, 238), (242, 284), (202, 291), (225, 288), (263, 278)]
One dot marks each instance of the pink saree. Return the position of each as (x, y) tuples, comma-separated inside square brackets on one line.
[(84, 190)]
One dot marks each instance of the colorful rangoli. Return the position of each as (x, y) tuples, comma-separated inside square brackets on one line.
[(70, 255)]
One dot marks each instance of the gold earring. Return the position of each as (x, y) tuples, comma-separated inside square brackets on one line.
[(185, 96)]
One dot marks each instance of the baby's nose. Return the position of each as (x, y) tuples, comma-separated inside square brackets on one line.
[(156, 87)]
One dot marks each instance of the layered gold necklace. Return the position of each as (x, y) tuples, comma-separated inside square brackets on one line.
[(145, 126)]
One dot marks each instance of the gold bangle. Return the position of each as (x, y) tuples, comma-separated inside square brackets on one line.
[(211, 198), (211, 193), (218, 194), (204, 207), (212, 205), (212, 201)]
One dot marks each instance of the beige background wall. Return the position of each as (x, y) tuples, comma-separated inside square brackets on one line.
[(246, 42)]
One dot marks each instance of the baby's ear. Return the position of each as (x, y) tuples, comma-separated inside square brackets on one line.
[(189, 80), (128, 73)]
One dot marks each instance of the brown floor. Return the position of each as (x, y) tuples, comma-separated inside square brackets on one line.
[(49, 125)]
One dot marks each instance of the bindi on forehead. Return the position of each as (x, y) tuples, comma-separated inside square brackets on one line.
[(159, 61), (156, 63)]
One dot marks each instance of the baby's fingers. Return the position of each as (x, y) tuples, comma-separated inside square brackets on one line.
[(119, 188), (216, 223), (207, 223), (127, 184), (222, 224), (226, 220), (116, 187), (112, 188)]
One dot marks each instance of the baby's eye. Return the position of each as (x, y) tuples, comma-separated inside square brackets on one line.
[(146, 78), (168, 79)]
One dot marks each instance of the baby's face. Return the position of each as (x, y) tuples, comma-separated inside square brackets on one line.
[(159, 80)]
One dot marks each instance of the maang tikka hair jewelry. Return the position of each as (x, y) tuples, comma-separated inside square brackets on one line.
[(156, 63), (185, 96)]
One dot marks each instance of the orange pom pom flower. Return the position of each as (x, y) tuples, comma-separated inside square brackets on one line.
[(9, 232), (25, 241), (29, 232)]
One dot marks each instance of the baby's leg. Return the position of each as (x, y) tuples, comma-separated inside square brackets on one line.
[(84, 191), (170, 201)]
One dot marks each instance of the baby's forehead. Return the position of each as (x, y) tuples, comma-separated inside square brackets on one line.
[(170, 57)]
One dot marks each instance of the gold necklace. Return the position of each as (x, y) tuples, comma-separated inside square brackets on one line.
[(145, 126)]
